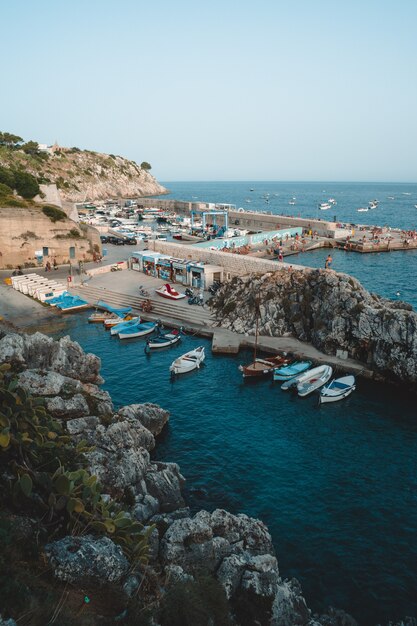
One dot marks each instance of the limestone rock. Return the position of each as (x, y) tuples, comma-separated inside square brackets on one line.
[(87, 558), (164, 482), (71, 408), (46, 383), (330, 310), (151, 416), (38, 351)]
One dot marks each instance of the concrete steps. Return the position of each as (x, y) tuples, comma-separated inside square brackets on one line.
[(163, 309)]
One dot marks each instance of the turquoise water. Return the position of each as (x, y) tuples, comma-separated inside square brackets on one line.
[(336, 485), (384, 273)]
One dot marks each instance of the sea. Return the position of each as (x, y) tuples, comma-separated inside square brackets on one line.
[(336, 484), (392, 275)]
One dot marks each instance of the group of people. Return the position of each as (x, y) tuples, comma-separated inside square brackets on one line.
[(48, 266)]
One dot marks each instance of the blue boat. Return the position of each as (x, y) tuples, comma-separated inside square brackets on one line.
[(289, 371), (137, 330), (118, 327), (72, 303), (58, 299)]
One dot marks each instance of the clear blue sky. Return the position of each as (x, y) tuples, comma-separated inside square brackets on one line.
[(221, 90)]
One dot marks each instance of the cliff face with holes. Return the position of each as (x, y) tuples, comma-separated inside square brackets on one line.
[(330, 310)]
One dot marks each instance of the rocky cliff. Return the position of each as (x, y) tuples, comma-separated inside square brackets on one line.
[(59, 383), (331, 310), (84, 175)]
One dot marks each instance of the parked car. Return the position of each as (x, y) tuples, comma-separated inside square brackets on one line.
[(131, 241), (104, 239), (117, 241)]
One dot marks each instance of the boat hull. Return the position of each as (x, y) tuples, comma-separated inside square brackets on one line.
[(188, 362), (140, 332), (325, 399), (289, 372), (154, 344), (263, 367), (315, 380)]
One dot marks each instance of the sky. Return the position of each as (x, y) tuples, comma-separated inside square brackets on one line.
[(221, 90)]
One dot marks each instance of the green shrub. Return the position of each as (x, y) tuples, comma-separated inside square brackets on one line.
[(5, 190), (26, 185), (12, 202), (7, 177), (54, 214)]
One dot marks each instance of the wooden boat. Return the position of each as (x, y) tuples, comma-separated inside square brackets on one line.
[(168, 291), (188, 361), (290, 371), (113, 321), (337, 389), (136, 330), (163, 340), (262, 367), (314, 379), (107, 312)]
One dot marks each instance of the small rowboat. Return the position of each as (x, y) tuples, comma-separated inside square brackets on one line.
[(314, 379), (168, 291), (137, 330), (188, 361), (264, 367), (163, 340), (114, 330), (290, 371), (337, 389)]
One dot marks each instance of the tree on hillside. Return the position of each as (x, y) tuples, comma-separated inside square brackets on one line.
[(31, 147), (9, 140), (26, 185), (145, 166)]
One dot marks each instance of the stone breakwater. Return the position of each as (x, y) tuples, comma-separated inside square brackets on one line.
[(329, 310), (234, 549)]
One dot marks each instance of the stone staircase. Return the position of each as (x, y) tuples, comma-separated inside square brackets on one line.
[(177, 313)]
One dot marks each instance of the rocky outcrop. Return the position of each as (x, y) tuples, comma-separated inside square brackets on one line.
[(86, 559), (238, 551), (38, 351), (332, 311), (235, 549), (84, 175)]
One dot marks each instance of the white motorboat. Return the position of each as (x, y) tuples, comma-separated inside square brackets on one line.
[(338, 389), (314, 379), (188, 361), (324, 206), (362, 210)]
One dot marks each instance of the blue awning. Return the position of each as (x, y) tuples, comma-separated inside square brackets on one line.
[(118, 311)]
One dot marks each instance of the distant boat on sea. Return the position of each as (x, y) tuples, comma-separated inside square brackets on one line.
[(363, 210), (324, 206)]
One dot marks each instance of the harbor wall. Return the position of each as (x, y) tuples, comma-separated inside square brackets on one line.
[(253, 220), (234, 264)]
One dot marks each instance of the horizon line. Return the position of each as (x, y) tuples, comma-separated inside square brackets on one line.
[(357, 182)]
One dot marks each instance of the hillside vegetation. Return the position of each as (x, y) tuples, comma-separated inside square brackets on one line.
[(80, 175)]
